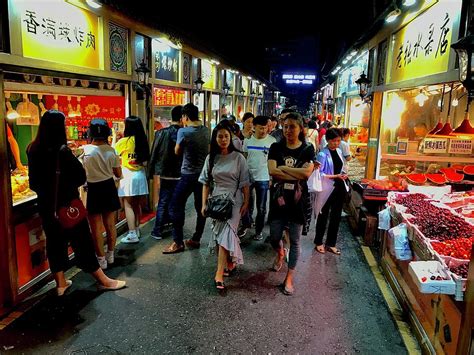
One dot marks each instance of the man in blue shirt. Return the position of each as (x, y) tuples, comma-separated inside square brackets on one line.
[(193, 144)]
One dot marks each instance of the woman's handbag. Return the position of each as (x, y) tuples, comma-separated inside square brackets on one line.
[(348, 186), (314, 181), (70, 215), (219, 207)]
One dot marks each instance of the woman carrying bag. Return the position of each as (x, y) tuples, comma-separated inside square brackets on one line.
[(328, 203), (55, 175), (290, 163), (226, 169)]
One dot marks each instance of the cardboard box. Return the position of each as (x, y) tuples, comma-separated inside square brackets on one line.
[(421, 272)]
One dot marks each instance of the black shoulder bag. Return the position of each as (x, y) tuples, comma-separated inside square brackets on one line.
[(220, 206)]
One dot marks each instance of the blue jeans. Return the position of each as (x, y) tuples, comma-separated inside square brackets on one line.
[(261, 192), (167, 188), (188, 185), (277, 226)]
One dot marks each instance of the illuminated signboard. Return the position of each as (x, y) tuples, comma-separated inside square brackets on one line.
[(60, 32), (305, 79), (168, 97)]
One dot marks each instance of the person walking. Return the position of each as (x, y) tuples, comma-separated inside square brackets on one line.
[(193, 144), (278, 131), (312, 135), (134, 152), (165, 164), (227, 170), (256, 149), (345, 145), (47, 153), (102, 166), (329, 202), (247, 120), (290, 163)]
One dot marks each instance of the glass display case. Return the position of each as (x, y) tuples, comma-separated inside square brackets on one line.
[(421, 130)]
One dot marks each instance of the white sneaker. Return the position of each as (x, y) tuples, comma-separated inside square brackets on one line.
[(102, 262), (131, 237), (138, 232), (109, 256)]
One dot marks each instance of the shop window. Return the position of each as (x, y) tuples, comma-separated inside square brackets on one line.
[(408, 138)]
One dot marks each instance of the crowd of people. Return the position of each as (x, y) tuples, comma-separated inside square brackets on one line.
[(241, 171)]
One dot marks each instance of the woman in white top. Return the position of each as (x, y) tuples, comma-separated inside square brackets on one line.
[(102, 165)]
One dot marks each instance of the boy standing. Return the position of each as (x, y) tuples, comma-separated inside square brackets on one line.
[(256, 149)]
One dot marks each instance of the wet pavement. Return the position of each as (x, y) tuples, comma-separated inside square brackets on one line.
[(171, 306)]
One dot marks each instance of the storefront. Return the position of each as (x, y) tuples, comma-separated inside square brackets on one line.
[(52, 69), (164, 99), (424, 147)]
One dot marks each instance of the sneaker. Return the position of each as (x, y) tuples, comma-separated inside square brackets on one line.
[(109, 256), (242, 231), (156, 236), (258, 237), (131, 238), (102, 262)]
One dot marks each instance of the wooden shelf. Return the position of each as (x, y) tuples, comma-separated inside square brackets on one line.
[(434, 158)]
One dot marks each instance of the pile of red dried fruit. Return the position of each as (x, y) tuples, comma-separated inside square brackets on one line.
[(461, 270), (434, 222), (459, 248)]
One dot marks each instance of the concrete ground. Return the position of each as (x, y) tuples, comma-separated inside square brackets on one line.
[(171, 306)]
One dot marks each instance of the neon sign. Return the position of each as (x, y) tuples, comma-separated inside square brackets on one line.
[(305, 79)]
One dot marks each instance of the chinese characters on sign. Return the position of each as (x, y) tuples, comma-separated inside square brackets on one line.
[(435, 145), (422, 47), (62, 33), (460, 146), (166, 64), (168, 97)]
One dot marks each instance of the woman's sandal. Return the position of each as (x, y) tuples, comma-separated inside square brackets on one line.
[(219, 285), (229, 273), (320, 249), (333, 250)]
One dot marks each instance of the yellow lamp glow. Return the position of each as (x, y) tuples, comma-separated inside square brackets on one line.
[(421, 98), (11, 113)]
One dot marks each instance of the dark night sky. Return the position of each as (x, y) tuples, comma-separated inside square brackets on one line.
[(240, 31)]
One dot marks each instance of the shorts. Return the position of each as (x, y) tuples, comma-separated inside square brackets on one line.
[(102, 197), (133, 183)]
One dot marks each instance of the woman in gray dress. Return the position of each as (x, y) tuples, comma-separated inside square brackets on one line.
[(226, 171)]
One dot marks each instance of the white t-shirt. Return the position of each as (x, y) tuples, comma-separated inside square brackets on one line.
[(99, 161), (257, 150), (345, 148)]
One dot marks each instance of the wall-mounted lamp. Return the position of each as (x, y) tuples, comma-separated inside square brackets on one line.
[(242, 92), (12, 114), (363, 82), (393, 15), (198, 83), (225, 89)]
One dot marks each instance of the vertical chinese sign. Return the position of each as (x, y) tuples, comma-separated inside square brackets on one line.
[(422, 47), (208, 74), (166, 61), (61, 32), (118, 43)]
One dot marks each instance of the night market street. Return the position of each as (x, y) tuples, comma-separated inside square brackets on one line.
[(171, 306)]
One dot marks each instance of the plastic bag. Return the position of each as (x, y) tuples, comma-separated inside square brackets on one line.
[(399, 245), (384, 219), (314, 182)]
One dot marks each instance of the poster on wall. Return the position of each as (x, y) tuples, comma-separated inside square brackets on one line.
[(118, 43), (208, 75), (166, 62), (186, 68), (142, 50)]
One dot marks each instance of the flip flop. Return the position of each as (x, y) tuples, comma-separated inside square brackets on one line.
[(333, 250), (320, 249)]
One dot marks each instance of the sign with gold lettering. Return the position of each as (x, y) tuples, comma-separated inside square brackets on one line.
[(59, 32), (422, 47), (168, 97), (460, 146)]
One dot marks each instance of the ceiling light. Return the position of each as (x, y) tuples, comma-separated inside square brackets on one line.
[(455, 102), (392, 16), (353, 53), (344, 61), (409, 3), (94, 4)]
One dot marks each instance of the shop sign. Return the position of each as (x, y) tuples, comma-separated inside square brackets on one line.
[(208, 75), (186, 68), (59, 32), (168, 97), (435, 145), (346, 81), (215, 102), (423, 46), (166, 61), (460, 146)]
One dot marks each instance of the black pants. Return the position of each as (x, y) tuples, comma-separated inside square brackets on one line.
[(333, 210), (58, 239)]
